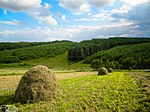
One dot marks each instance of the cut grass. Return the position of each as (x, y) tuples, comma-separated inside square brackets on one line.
[(8, 83), (12, 71), (114, 92), (143, 81)]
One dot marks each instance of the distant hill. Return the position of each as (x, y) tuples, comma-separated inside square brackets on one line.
[(17, 45), (125, 57), (89, 47), (35, 52), (97, 52)]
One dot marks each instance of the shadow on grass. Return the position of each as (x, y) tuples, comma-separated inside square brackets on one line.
[(6, 99)]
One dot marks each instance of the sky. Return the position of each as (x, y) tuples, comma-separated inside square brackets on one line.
[(75, 20)]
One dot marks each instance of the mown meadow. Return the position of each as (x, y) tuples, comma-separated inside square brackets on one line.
[(84, 91), (75, 66)]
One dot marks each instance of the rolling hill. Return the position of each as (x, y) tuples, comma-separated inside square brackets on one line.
[(34, 52), (122, 57), (70, 55), (89, 47)]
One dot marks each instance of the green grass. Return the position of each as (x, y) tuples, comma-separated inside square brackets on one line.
[(143, 81), (57, 63), (114, 92), (12, 71)]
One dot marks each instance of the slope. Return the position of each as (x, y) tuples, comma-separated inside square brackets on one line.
[(89, 47), (59, 63), (125, 57), (34, 52)]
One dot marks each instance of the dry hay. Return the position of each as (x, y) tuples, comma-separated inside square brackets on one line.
[(102, 71), (37, 84), (110, 70)]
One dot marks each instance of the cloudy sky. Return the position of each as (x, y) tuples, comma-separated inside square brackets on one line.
[(76, 20)]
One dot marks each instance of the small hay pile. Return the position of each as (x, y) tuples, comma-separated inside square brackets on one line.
[(37, 84), (110, 70), (102, 71)]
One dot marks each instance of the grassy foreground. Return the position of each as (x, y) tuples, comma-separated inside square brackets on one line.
[(114, 92)]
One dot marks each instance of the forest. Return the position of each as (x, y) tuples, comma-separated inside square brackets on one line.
[(122, 57), (89, 47), (34, 52), (17, 45)]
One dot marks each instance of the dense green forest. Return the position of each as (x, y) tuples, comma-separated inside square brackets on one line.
[(34, 52), (89, 47), (122, 57), (17, 45)]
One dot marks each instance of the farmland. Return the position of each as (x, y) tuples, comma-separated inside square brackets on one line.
[(84, 91), (80, 88)]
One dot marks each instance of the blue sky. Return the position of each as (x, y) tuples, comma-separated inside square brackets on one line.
[(76, 20)]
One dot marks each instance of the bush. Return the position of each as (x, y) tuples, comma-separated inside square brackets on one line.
[(102, 71), (37, 84), (110, 70)]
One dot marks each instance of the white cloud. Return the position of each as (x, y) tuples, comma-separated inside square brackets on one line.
[(74, 33), (14, 22), (84, 6), (78, 7), (135, 2), (63, 18), (97, 17), (7, 32), (124, 9), (32, 8), (136, 12), (101, 3), (19, 5)]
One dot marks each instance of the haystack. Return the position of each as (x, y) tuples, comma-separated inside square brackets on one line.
[(37, 84), (102, 71), (110, 70)]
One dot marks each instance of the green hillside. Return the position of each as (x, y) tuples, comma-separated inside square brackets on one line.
[(125, 57), (59, 62), (67, 55), (34, 52), (89, 47), (17, 45)]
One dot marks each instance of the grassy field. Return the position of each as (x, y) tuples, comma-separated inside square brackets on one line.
[(84, 91), (57, 63), (143, 81)]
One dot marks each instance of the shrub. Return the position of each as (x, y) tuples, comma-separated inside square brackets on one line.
[(102, 71), (37, 84), (110, 70)]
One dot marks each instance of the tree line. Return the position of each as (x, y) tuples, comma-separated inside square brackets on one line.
[(17, 45), (87, 48), (34, 52)]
